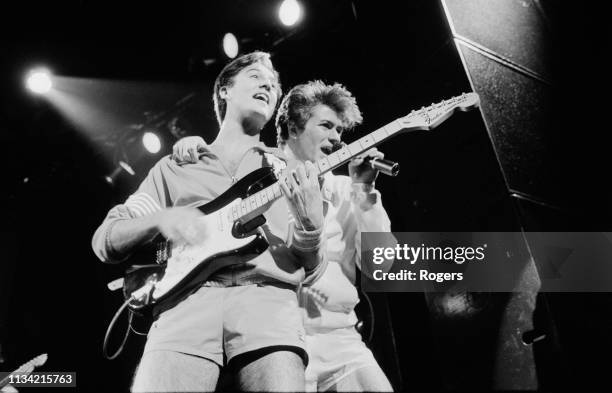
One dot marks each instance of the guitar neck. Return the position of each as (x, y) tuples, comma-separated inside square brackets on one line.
[(259, 201), (425, 118)]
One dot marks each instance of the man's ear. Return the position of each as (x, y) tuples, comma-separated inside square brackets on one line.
[(293, 131), (223, 93)]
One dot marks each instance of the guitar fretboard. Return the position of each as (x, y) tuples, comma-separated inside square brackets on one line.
[(423, 119), (252, 205)]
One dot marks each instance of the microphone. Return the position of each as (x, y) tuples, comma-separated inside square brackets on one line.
[(390, 168)]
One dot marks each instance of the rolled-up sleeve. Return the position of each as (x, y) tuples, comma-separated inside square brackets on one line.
[(150, 198), (100, 243)]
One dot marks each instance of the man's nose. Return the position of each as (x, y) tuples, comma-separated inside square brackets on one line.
[(334, 136), (266, 84)]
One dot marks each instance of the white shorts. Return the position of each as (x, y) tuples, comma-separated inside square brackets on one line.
[(230, 320), (334, 355)]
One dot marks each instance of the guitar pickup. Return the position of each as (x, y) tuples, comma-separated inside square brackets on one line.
[(242, 229)]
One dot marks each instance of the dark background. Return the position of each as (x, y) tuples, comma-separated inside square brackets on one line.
[(128, 62)]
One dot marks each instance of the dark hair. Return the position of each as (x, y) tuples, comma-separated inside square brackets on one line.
[(227, 74), (296, 107)]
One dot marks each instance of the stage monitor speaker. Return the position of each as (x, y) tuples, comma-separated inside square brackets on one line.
[(504, 46), (544, 125), (505, 49), (513, 31)]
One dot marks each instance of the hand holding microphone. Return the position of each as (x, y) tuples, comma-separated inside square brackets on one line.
[(374, 160)]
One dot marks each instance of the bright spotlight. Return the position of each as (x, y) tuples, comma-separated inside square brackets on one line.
[(290, 12), (230, 45), (151, 142), (39, 81)]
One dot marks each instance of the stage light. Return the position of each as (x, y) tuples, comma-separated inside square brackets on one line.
[(110, 179), (39, 81), (230, 45), (127, 167), (151, 142), (290, 12)]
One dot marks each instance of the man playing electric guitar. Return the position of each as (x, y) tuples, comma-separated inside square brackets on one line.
[(247, 314), (310, 120)]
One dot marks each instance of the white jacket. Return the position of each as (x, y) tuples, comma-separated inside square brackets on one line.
[(349, 210)]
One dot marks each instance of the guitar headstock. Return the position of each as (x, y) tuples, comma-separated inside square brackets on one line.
[(32, 364), (428, 118), (24, 369)]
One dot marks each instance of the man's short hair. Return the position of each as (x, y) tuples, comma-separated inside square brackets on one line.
[(296, 107), (227, 74)]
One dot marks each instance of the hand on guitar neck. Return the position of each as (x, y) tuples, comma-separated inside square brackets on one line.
[(302, 199), (301, 187)]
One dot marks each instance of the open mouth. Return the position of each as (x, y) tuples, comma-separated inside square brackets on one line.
[(263, 97), (327, 150)]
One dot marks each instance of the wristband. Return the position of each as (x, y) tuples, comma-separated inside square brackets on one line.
[(305, 240)]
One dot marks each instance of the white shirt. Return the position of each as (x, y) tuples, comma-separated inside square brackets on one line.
[(349, 210)]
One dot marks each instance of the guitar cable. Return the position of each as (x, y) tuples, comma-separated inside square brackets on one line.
[(143, 293), (110, 328), (371, 309), (137, 332)]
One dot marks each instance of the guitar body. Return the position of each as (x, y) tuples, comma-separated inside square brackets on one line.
[(181, 269)]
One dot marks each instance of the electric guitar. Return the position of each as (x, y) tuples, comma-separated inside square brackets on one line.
[(234, 215), (25, 369)]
